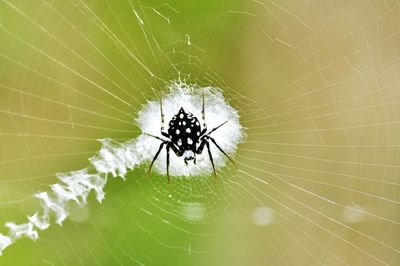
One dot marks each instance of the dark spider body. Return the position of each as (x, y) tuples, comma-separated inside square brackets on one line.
[(184, 133)]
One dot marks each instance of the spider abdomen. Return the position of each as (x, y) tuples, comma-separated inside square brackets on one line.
[(184, 130)]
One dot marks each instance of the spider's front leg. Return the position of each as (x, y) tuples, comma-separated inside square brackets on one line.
[(165, 134), (203, 118)]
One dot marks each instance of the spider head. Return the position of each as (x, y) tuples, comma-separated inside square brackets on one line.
[(188, 156)]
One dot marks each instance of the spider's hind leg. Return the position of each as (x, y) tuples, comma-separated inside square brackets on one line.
[(168, 146), (165, 134), (203, 116)]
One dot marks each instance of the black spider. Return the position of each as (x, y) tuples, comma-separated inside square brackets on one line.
[(186, 138)]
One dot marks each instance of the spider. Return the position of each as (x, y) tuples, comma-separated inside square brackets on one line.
[(186, 137)]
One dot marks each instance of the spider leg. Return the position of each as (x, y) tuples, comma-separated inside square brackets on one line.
[(210, 155), (201, 147), (155, 157), (162, 116), (168, 146), (203, 117), (150, 135), (215, 128), (221, 150), (175, 149), (199, 150), (165, 134), (177, 152)]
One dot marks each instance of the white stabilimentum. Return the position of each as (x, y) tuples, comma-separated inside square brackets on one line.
[(116, 159), (217, 111)]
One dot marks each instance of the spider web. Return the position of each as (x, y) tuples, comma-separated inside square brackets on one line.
[(316, 85)]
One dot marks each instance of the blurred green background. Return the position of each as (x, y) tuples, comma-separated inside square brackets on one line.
[(316, 84)]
